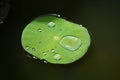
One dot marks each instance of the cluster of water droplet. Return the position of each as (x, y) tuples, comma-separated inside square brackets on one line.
[(30, 48), (50, 25), (56, 56)]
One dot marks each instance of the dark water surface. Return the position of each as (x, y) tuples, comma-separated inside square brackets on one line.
[(101, 62)]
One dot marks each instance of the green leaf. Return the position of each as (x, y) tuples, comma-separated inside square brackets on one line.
[(55, 40)]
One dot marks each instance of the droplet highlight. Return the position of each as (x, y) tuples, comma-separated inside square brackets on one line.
[(34, 57), (44, 53), (71, 43), (39, 30), (56, 15), (57, 57), (51, 24), (52, 50), (45, 61)]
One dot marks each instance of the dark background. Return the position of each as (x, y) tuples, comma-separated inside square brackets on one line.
[(100, 17)]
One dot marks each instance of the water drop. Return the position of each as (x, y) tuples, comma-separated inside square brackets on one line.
[(44, 53), (56, 15), (70, 42), (39, 30), (33, 49), (52, 50), (29, 56), (27, 47), (57, 56), (51, 24), (56, 38), (34, 57), (45, 62)]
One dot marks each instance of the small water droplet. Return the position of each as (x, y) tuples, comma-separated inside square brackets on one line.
[(51, 24), (56, 37), (44, 53), (45, 62), (56, 15), (27, 47), (33, 49), (57, 56), (34, 57), (52, 50), (29, 56), (39, 30), (59, 15), (80, 25)]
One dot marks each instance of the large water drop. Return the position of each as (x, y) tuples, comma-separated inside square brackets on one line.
[(70, 42)]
